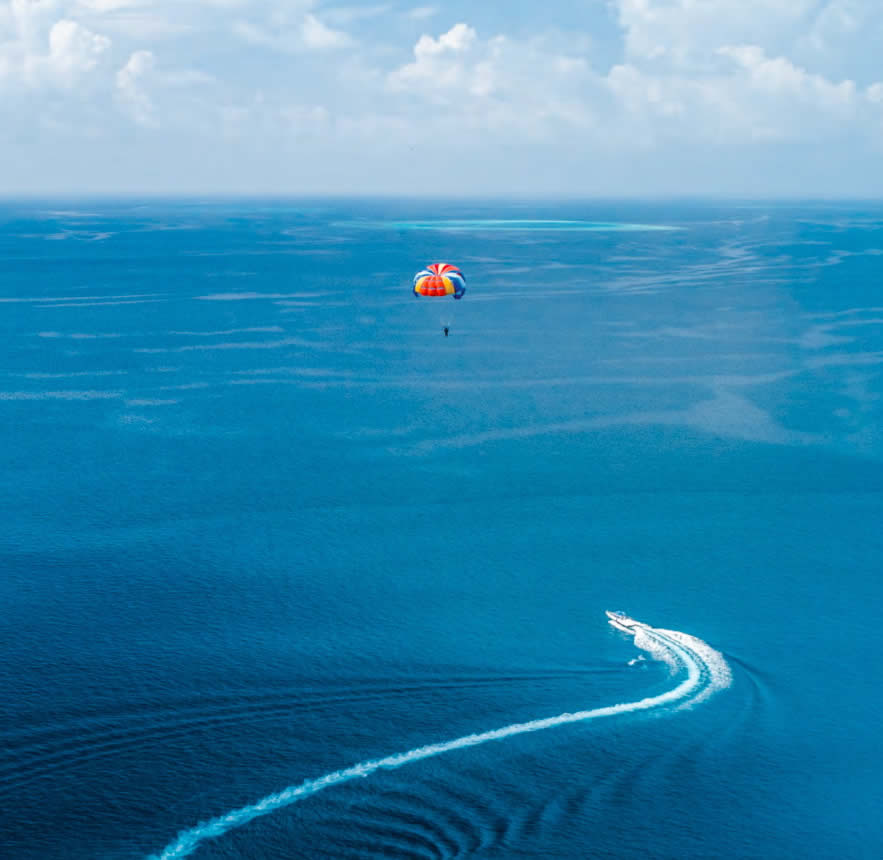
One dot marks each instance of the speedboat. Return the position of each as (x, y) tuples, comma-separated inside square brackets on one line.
[(621, 621)]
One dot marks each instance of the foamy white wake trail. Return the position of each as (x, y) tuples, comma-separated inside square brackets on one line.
[(706, 671)]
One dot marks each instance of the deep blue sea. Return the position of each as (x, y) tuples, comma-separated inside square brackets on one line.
[(263, 524)]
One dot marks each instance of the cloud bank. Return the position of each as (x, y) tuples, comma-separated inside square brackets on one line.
[(638, 96)]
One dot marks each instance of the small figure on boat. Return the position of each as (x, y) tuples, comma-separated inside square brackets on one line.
[(446, 331)]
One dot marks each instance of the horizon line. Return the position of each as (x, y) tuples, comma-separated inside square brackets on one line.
[(193, 195)]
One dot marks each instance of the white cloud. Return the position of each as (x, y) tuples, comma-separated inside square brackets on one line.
[(290, 28), (493, 77), (491, 99), (74, 50), (132, 81), (686, 33), (39, 53), (317, 35), (155, 96), (720, 71), (722, 78), (780, 77), (844, 40), (448, 62), (838, 39), (756, 99), (728, 95)]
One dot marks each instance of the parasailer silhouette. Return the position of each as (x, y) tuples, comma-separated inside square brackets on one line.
[(441, 280)]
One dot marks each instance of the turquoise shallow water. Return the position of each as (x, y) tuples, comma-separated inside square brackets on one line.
[(263, 522), (511, 224)]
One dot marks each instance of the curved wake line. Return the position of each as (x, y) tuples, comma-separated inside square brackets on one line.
[(706, 672)]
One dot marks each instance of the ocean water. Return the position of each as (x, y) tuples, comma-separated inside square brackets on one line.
[(287, 573)]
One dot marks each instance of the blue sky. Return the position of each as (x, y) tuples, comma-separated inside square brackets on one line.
[(748, 97)]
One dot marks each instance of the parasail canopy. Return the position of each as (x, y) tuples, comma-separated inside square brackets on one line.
[(440, 279)]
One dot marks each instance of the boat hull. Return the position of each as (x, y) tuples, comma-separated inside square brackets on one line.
[(621, 621)]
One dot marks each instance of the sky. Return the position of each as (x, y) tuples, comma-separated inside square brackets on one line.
[(578, 97)]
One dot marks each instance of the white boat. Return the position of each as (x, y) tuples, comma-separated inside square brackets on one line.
[(621, 621)]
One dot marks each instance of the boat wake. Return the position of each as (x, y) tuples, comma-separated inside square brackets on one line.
[(705, 672)]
